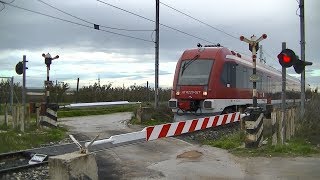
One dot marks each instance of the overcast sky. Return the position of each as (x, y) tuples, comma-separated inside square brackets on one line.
[(90, 54)]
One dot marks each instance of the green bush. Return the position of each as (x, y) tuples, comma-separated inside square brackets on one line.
[(309, 125)]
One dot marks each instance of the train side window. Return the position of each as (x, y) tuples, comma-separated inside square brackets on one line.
[(245, 77), (239, 76), (224, 75), (268, 84)]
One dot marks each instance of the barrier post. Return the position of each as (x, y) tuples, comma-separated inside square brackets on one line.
[(254, 127)]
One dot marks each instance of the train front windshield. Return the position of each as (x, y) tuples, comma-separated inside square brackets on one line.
[(195, 72)]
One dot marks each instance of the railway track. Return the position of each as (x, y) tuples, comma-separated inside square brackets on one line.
[(17, 161), (31, 158)]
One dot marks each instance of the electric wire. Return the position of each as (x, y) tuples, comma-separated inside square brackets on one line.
[(76, 23), (81, 19), (169, 27), (202, 22), (3, 6), (268, 54), (199, 20)]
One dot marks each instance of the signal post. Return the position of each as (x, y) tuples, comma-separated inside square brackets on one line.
[(288, 58), (254, 122), (48, 115)]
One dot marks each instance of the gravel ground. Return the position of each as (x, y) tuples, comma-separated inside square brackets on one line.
[(37, 173), (41, 172)]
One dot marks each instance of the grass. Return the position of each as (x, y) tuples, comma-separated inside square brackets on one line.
[(161, 115), (151, 122), (226, 142), (13, 140), (95, 111), (294, 147)]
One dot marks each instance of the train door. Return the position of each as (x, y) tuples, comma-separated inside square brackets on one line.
[(228, 77)]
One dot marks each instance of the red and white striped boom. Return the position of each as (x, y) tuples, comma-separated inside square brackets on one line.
[(171, 129)]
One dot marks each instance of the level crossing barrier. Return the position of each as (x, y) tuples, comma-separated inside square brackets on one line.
[(166, 130), (63, 167)]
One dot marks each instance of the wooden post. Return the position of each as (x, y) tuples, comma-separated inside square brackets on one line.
[(293, 128), (6, 115), (22, 117), (274, 127), (279, 125), (287, 126), (14, 116), (38, 117)]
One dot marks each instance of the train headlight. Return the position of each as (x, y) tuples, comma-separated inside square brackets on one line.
[(205, 91), (178, 91)]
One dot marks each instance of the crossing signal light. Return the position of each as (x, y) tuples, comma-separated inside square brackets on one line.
[(19, 68), (288, 58)]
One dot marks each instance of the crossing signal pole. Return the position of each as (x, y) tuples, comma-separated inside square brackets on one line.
[(21, 68), (302, 43), (48, 60), (156, 88), (254, 47)]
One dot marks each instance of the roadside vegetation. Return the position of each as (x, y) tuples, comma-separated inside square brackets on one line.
[(161, 115), (95, 111), (305, 143), (14, 140)]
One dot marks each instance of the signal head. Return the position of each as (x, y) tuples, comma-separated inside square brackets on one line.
[(287, 58), (264, 36)]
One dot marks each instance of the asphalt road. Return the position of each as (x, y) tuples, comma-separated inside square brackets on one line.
[(171, 158)]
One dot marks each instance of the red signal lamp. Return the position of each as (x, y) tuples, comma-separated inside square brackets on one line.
[(287, 58)]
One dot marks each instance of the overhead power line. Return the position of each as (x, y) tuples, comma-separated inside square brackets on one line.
[(199, 20), (202, 22), (140, 16), (81, 19), (76, 23)]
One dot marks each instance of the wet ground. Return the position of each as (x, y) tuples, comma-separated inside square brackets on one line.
[(171, 158)]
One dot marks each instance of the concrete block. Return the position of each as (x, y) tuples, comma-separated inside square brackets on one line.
[(73, 166), (144, 114)]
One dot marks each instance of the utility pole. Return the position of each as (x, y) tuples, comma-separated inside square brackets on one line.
[(302, 43), (283, 99), (156, 88), (77, 90), (283, 93), (11, 94), (24, 91), (253, 47)]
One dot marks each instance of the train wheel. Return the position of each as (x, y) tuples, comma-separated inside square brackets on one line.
[(180, 112), (198, 113)]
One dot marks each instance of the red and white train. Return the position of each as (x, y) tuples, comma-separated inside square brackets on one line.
[(215, 80)]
